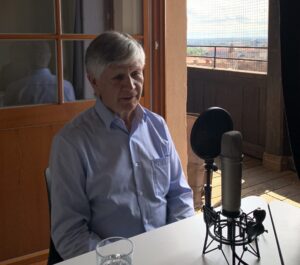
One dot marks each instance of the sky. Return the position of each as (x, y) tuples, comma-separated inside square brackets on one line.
[(227, 18)]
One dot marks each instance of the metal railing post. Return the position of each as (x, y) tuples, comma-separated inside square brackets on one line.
[(215, 55)]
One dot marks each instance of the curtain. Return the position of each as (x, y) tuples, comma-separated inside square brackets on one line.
[(290, 63), (78, 53)]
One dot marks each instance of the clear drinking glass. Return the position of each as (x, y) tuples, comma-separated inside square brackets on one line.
[(114, 251)]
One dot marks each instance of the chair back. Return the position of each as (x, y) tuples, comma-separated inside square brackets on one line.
[(195, 166), (53, 256)]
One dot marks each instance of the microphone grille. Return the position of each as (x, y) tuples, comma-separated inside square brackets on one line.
[(231, 144)]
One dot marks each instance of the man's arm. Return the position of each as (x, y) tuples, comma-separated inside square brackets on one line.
[(180, 195), (70, 209)]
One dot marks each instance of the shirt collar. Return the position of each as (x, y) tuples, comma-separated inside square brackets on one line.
[(109, 117)]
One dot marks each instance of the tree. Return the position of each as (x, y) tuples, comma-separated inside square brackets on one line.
[(194, 51)]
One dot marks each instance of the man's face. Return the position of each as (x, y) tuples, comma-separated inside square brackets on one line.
[(120, 88)]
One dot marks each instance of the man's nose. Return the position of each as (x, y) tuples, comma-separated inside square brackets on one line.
[(129, 82)]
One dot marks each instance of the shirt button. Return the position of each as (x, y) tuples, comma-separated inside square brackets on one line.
[(140, 193), (137, 164)]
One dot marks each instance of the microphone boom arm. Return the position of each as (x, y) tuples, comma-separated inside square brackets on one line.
[(209, 167)]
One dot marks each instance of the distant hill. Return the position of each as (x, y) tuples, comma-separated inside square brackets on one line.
[(248, 42)]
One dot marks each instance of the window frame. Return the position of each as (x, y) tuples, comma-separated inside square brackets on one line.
[(59, 37)]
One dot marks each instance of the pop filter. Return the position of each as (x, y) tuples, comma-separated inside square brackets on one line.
[(207, 132)]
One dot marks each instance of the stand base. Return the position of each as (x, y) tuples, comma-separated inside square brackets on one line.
[(238, 234)]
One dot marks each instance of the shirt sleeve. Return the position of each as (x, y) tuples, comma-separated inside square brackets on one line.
[(69, 93), (70, 210), (180, 202)]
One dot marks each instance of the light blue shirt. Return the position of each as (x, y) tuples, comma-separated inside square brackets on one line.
[(107, 181), (37, 88)]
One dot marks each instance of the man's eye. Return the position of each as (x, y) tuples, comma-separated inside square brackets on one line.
[(118, 77), (135, 73)]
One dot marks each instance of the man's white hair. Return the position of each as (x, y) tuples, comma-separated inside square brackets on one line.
[(112, 47)]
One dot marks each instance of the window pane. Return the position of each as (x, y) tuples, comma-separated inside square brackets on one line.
[(96, 16), (74, 68), (27, 16), (229, 34), (128, 16), (27, 73)]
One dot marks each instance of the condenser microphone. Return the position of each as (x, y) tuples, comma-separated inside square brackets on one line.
[(231, 173)]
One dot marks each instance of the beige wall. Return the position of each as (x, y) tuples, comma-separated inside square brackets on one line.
[(176, 74)]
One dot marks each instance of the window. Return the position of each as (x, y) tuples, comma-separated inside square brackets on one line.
[(228, 34), (42, 46)]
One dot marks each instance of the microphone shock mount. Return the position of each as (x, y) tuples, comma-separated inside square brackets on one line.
[(239, 233)]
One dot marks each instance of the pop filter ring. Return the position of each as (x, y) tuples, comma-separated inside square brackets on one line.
[(207, 132)]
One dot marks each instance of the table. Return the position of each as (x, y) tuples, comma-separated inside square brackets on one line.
[(181, 243), (286, 219)]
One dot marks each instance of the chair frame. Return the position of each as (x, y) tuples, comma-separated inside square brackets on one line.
[(53, 256)]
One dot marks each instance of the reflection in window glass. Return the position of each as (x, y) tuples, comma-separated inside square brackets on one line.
[(27, 16), (27, 73), (84, 16), (127, 16), (96, 16), (74, 68)]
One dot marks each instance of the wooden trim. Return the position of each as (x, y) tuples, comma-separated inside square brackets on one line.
[(27, 259), (90, 36), (59, 60), (57, 15), (158, 57), (46, 36), (59, 72), (146, 42), (253, 150), (78, 36), (51, 36), (18, 117), (275, 162)]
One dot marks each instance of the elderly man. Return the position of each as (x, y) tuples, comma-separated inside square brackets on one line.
[(114, 168)]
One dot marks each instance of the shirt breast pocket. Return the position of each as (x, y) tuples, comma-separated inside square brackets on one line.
[(161, 175)]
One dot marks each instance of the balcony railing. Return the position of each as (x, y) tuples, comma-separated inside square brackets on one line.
[(237, 58)]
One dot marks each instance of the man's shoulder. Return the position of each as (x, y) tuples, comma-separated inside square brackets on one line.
[(81, 124), (152, 115), (154, 118)]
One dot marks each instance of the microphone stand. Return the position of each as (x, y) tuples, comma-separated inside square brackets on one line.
[(217, 225), (209, 167), (208, 211)]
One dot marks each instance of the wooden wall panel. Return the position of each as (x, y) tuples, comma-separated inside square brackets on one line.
[(24, 221), (25, 139), (251, 113), (243, 95)]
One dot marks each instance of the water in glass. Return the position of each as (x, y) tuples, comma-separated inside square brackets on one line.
[(115, 260)]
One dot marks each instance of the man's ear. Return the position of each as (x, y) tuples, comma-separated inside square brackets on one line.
[(92, 80)]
